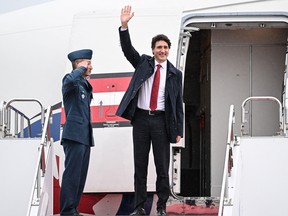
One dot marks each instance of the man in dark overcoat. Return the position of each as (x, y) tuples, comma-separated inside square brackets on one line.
[(160, 121)]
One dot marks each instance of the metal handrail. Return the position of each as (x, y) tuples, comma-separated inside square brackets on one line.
[(7, 107), (5, 120), (45, 139), (261, 98), (228, 158), (2, 103), (46, 128), (28, 100)]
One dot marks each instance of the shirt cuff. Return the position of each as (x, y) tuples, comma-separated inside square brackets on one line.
[(123, 29)]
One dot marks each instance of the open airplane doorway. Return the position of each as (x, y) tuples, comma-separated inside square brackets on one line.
[(227, 61), (195, 157)]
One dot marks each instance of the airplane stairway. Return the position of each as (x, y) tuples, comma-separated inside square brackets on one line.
[(23, 161), (255, 176)]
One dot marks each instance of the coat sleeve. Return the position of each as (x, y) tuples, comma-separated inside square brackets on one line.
[(70, 80), (129, 51)]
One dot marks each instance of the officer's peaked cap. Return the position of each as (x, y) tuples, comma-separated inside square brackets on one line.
[(80, 54)]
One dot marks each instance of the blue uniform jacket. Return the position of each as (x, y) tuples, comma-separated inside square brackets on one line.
[(144, 68), (77, 95)]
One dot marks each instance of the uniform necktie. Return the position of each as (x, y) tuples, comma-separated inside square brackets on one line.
[(155, 89)]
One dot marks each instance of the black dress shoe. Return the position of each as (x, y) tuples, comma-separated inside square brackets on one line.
[(161, 212), (139, 211)]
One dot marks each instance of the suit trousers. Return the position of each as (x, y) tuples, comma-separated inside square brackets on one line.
[(77, 157), (149, 129)]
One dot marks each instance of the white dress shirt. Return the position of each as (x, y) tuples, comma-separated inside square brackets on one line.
[(145, 90)]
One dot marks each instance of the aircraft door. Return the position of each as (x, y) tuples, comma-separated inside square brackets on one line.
[(194, 61), (195, 147)]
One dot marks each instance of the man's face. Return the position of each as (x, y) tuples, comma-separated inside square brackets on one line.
[(86, 63), (161, 51)]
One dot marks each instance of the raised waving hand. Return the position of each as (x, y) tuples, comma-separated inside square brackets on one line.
[(126, 15)]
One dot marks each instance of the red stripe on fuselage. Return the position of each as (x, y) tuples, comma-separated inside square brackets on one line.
[(117, 84)]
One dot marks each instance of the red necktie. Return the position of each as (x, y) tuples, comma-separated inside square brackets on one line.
[(155, 89)]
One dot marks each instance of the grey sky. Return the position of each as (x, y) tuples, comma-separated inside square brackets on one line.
[(10, 5)]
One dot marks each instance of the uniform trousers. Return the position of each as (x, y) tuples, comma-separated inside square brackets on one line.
[(149, 129), (77, 157)]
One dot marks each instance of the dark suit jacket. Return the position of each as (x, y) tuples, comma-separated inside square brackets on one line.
[(77, 95), (144, 67)]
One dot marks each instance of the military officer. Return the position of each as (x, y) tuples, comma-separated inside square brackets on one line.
[(77, 136)]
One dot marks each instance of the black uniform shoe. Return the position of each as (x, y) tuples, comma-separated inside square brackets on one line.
[(139, 211), (161, 212), (75, 214)]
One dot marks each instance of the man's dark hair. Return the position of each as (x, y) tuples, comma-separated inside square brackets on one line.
[(160, 37)]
